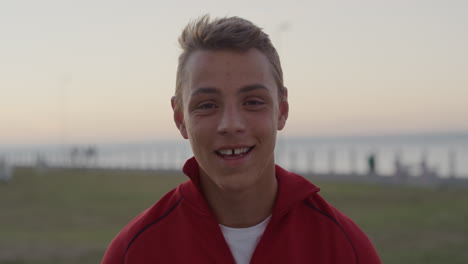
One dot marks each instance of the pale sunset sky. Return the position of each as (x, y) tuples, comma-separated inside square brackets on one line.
[(93, 71)]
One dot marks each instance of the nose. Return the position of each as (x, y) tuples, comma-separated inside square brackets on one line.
[(231, 121)]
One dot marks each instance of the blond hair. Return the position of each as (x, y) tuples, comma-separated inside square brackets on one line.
[(228, 33)]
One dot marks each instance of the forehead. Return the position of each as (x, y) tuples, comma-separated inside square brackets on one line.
[(228, 69)]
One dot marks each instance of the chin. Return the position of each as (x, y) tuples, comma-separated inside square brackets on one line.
[(237, 182)]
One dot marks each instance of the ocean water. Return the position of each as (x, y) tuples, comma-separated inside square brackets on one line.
[(446, 154)]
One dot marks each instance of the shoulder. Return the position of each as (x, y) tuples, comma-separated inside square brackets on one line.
[(148, 218), (363, 248)]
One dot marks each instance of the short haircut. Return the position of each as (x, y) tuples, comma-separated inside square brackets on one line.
[(228, 33)]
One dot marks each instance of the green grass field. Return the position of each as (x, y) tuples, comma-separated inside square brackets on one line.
[(71, 216)]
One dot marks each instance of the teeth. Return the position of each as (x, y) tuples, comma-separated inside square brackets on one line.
[(226, 151), (240, 150), (233, 151)]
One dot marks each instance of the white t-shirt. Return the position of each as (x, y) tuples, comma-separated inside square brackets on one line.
[(243, 241)]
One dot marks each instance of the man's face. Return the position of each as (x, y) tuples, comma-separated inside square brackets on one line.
[(231, 113)]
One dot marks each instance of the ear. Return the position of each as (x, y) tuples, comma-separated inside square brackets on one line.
[(179, 118), (283, 110)]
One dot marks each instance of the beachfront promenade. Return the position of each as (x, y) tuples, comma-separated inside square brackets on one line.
[(358, 168)]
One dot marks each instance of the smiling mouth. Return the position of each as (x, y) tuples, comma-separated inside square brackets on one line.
[(233, 153)]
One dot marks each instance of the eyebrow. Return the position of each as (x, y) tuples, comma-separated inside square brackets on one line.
[(252, 87), (212, 90), (206, 90)]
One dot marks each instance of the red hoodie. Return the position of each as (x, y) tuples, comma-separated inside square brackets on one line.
[(181, 228)]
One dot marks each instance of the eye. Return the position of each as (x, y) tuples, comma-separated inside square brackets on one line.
[(253, 102), (206, 106)]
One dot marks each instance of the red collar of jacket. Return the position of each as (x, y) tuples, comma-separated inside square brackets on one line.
[(292, 189)]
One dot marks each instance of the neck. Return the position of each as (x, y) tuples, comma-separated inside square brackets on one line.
[(241, 208)]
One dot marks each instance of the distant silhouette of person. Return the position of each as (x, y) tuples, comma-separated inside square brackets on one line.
[(452, 163), (401, 170), (6, 172), (424, 168), (352, 161), (371, 164)]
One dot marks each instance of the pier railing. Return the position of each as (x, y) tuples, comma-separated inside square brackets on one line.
[(328, 163)]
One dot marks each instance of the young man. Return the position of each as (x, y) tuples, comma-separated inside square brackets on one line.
[(238, 206)]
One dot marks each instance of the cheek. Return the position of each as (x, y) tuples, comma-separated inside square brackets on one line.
[(268, 120), (198, 130), (264, 127)]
